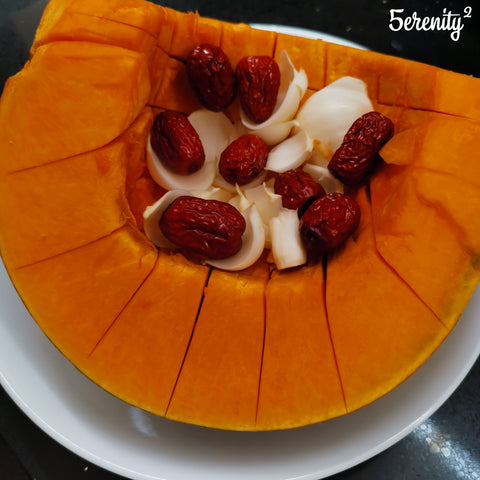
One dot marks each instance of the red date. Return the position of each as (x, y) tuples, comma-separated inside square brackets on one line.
[(211, 76), (258, 80), (356, 158), (210, 228), (243, 160), (329, 221), (177, 143), (298, 189)]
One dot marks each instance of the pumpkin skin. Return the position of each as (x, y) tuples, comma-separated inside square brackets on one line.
[(254, 350)]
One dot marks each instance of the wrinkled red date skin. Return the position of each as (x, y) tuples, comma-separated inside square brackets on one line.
[(177, 143), (329, 221), (298, 189), (211, 76), (209, 228), (243, 160), (357, 157), (258, 81)]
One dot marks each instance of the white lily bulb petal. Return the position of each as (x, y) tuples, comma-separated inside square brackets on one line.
[(276, 132), (329, 113), (321, 155), (213, 193), (253, 244), (270, 184), (290, 154), (323, 176), (153, 214), (288, 249), (200, 180), (293, 85), (219, 181), (268, 203), (240, 201), (215, 131)]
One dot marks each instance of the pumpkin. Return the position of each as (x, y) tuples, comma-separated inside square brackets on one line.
[(259, 349)]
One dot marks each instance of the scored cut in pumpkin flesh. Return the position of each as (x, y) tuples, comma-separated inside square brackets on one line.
[(308, 53), (145, 16), (63, 21), (381, 330), (89, 200), (102, 22), (96, 106), (424, 204), (76, 296), (421, 146), (187, 31), (141, 354), (299, 383), (422, 245), (397, 81), (405, 118), (456, 200), (218, 383)]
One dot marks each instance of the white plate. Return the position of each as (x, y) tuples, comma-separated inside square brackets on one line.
[(135, 444)]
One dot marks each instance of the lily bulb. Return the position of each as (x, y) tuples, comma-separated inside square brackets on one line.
[(329, 113), (288, 249)]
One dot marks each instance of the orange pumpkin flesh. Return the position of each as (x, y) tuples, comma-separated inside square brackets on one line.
[(89, 201), (86, 288), (96, 107), (308, 53), (151, 334), (218, 382), (302, 386), (254, 350), (430, 262), (374, 343)]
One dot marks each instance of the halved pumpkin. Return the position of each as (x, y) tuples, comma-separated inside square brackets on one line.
[(258, 349)]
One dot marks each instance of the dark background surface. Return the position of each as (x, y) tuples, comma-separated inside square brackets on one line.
[(444, 447)]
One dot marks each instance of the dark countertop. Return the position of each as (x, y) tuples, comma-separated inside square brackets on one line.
[(444, 447)]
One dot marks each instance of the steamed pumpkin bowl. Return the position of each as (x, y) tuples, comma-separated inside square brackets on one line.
[(253, 350)]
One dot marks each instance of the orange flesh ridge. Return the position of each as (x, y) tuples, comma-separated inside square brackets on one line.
[(73, 71), (292, 387), (167, 304), (418, 258), (192, 373), (52, 285), (375, 345), (218, 382)]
